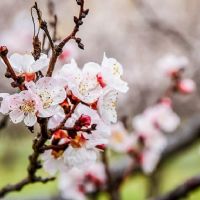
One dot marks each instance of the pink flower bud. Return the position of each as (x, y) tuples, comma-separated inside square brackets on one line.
[(186, 86), (85, 120)]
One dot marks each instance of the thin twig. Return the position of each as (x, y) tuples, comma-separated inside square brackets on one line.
[(58, 49), (10, 72), (43, 25)]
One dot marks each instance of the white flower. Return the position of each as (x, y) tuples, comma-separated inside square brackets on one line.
[(51, 93), (111, 72), (171, 64), (22, 107), (83, 84), (93, 118), (79, 157), (163, 116), (107, 106), (69, 184), (120, 140), (52, 164), (76, 183), (25, 64), (83, 147), (143, 125)]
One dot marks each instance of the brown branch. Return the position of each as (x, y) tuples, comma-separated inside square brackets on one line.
[(112, 187), (18, 186), (10, 72), (58, 49), (55, 147), (182, 190)]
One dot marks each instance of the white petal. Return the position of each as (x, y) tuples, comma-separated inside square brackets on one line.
[(30, 119), (16, 116), (40, 64), (91, 68), (48, 112), (79, 157), (16, 62), (27, 60)]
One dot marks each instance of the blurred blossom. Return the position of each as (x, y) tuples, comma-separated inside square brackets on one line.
[(171, 64), (120, 141), (150, 127), (76, 183), (186, 86)]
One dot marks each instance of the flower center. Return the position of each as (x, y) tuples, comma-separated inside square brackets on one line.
[(116, 70), (28, 106), (46, 99), (117, 137)]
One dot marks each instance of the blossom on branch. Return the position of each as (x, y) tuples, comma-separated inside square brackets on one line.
[(50, 92), (22, 107), (26, 66)]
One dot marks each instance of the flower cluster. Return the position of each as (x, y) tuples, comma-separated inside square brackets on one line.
[(79, 105), (151, 126)]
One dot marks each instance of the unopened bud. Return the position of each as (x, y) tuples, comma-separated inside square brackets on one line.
[(84, 120)]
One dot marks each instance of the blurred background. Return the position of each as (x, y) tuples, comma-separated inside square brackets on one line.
[(135, 32)]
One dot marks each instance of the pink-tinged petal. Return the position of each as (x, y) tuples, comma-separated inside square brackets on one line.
[(14, 101), (30, 119), (16, 116)]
